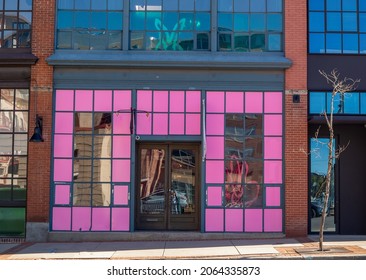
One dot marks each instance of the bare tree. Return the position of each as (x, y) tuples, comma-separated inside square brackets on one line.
[(340, 86)]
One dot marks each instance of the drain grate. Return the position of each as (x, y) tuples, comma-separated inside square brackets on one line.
[(6, 240)]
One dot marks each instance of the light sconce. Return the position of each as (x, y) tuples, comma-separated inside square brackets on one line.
[(37, 135)]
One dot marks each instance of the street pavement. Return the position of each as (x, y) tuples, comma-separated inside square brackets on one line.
[(335, 247)]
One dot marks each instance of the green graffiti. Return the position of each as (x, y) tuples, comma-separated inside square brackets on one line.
[(169, 40)]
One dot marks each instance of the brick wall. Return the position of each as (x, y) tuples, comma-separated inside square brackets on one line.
[(39, 154), (296, 135)]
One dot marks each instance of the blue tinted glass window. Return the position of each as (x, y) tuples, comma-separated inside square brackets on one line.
[(333, 43), (274, 42), (189, 21), (225, 6), (338, 108), (98, 5), (257, 22), (153, 21), (25, 4), (349, 5), (115, 5), (203, 5), (241, 5), (363, 102), (115, 21), (350, 43), (317, 102), (334, 21), (349, 21), (186, 5), (99, 20), (363, 43), (316, 21), (170, 5), (225, 22), (351, 103), (241, 22), (362, 5), (258, 6), (65, 20), (362, 25), (170, 20), (316, 5), (82, 4), (274, 22), (333, 5), (274, 5), (203, 21), (11, 5), (65, 4), (137, 20), (316, 43), (82, 20)]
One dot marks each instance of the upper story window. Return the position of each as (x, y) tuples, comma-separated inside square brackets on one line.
[(337, 26), (170, 25), (15, 23)]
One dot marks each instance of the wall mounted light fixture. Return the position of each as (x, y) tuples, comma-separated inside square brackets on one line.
[(37, 135)]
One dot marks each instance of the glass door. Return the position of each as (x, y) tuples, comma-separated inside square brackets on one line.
[(167, 187)]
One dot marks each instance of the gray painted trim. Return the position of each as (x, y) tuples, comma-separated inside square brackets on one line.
[(197, 60)]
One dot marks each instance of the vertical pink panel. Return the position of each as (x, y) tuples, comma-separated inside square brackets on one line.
[(62, 170), (62, 194), (215, 147), (253, 220), (143, 123), (101, 219), (273, 220), (272, 172), (64, 122), (160, 124), (273, 102), (215, 101), (64, 100), (120, 194), (215, 124), (193, 101), (214, 219), (273, 125), (272, 147), (176, 101), (176, 123), (84, 100), (63, 146), (273, 196), (121, 219), (253, 102), (144, 100), (234, 220), (234, 102), (214, 196), (121, 123), (193, 124), (160, 101), (121, 146), (121, 170), (81, 218), (215, 171), (103, 100), (122, 100), (61, 218)]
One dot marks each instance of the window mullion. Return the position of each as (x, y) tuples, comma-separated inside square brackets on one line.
[(214, 25), (126, 25)]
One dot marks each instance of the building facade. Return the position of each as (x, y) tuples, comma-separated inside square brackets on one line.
[(159, 116)]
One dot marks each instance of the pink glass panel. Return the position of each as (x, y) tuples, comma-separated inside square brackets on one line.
[(272, 147), (122, 100), (214, 196), (177, 101), (144, 100), (121, 123), (100, 219), (214, 220), (143, 123), (273, 196), (120, 195), (84, 100), (273, 125), (121, 219), (234, 220), (273, 220), (272, 172), (234, 102), (253, 220), (62, 194), (62, 170), (103, 100), (176, 124), (121, 146), (63, 146), (215, 101), (253, 102), (215, 124), (160, 126), (64, 122), (61, 218), (215, 148), (64, 100), (273, 102), (160, 101), (193, 101), (81, 218), (121, 170), (215, 171), (193, 124)]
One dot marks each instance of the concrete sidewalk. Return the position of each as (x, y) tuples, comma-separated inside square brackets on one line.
[(337, 247)]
